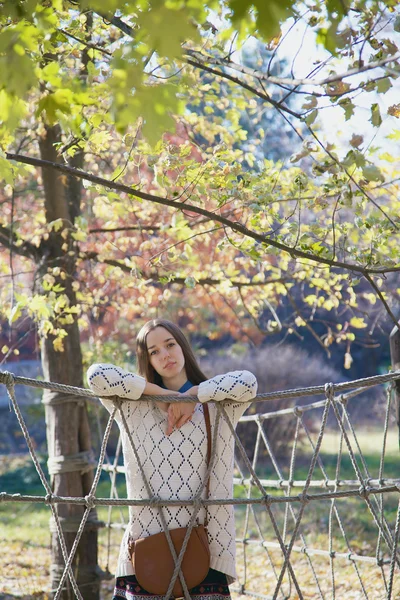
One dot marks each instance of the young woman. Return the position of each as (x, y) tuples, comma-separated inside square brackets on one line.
[(172, 444)]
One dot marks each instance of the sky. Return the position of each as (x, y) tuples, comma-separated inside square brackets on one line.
[(301, 42)]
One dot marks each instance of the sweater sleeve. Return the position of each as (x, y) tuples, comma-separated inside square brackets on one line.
[(109, 380), (238, 386)]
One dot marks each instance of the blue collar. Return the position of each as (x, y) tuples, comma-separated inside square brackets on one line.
[(186, 386)]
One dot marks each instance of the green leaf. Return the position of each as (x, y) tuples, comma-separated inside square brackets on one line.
[(268, 14), (167, 29), (61, 100), (372, 173), (348, 107), (311, 117), (383, 85), (376, 118), (6, 171), (12, 110), (354, 157)]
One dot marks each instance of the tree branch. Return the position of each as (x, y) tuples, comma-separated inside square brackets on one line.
[(26, 249), (132, 228), (234, 225), (351, 178), (306, 324), (128, 30), (382, 299), (181, 280), (88, 45), (286, 80), (244, 85)]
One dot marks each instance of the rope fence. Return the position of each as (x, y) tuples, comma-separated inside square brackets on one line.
[(283, 513)]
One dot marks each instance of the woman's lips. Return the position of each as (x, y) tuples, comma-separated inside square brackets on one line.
[(169, 365)]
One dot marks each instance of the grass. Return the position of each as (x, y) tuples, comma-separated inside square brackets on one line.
[(25, 538)]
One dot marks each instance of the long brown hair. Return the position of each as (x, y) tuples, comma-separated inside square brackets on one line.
[(193, 371)]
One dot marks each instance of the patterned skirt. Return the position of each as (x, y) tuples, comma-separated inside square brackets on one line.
[(214, 587)]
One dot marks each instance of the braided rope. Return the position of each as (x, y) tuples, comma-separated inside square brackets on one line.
[(9, 382), (365, 485), (286, 394), (221, 409), (89, 505)]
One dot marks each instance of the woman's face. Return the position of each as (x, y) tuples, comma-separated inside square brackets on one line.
[(165, 354)]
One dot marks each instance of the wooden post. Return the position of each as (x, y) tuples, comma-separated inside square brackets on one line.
[(394, 340)]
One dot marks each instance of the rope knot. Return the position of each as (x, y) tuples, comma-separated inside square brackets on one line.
[(330, 391), (7, 378), (153, 502), (197, 503), (304, 498), (364, 491), (117, 401), (297, 411), (379, 562), (90, 501), (267, 499), (48, 499), (332, 554)]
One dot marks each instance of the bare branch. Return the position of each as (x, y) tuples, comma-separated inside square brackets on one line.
[(128, 30), (182, 242), (306, 324), (199, 56), (88, 45), (350, 176), (131, 228), (382, 299), (8, 240), (156, 278), (266, 332), (253, 90)]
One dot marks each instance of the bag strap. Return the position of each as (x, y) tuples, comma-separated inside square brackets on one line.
[(208, 428)]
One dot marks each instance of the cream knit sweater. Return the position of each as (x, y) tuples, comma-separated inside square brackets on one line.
[(175, 465)]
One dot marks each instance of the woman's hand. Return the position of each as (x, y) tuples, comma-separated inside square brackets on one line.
[(179, 413)]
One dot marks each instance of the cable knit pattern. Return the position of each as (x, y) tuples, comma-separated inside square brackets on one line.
[(175, 465), (236, 385), (109, 380)]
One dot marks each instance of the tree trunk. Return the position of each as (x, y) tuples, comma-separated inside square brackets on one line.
[(67, 425)]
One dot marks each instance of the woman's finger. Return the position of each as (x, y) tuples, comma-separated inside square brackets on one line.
[(184, 419)]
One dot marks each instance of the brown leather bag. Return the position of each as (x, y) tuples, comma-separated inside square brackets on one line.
[(152, 559)]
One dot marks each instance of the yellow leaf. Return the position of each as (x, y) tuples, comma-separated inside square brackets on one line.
[(58, 345), (357, 323)]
